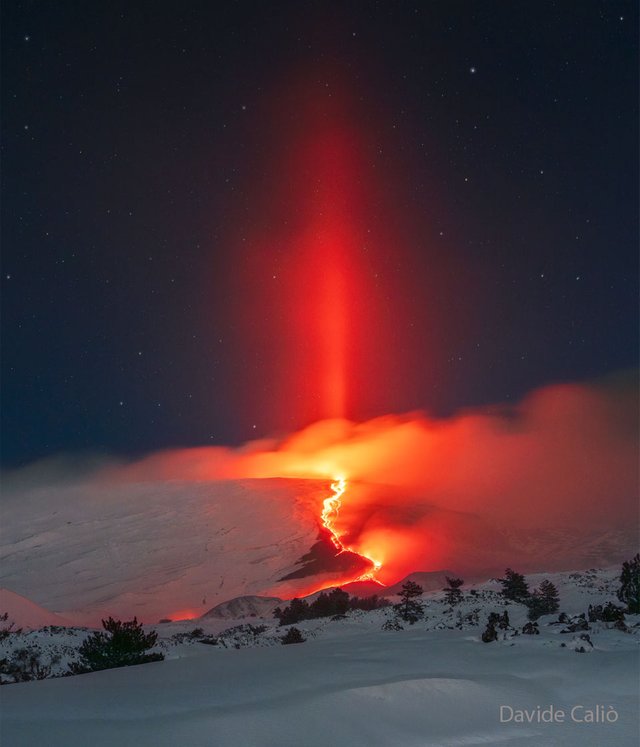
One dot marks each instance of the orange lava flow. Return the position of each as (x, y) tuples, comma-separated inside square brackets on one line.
[(330, 510)]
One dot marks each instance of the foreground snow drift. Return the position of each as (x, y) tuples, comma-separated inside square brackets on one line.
[(408, 688), (351, 683)]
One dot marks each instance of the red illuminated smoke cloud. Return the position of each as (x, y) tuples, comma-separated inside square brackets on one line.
[(462, 491)]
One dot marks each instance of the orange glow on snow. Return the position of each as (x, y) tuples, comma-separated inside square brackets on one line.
[(184, 614)]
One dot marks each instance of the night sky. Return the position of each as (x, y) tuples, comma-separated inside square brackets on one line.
[(148, 199)]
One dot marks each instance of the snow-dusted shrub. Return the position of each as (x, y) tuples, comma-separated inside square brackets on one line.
[(197, 635), (605, 613), (495, 623), (576, 624), (26, 664), (470, 619), (240, 636), (531, 628), (392, 624), (7, 627), (490, 634), (293, 635)]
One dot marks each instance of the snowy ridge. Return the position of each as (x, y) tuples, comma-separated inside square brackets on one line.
[(244, 606)]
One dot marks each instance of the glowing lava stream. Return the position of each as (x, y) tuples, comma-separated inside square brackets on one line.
[(331, 507)]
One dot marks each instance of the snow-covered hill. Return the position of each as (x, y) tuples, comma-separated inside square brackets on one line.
[(25, 614), (244, 606)]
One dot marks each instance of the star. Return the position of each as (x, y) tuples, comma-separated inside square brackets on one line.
[(472, 70)]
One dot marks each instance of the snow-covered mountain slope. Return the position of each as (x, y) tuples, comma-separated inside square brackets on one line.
[(154, 550), (110, 545), (563, 548), (432, 684), (24, 613)]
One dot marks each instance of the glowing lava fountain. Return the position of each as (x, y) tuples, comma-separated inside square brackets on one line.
[(330, 510)]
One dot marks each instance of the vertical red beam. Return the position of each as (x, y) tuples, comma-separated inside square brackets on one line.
[(332, 202), (315, 269)]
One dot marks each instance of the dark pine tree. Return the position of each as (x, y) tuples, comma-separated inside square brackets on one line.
[(514, 586), (543, 601), (410, 609), (327, 605), (339, 601), (122, 645), (549, 593), (320, 607), (536, 607), (453, 595), (297, 610), (373, 602), (629, 591)]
